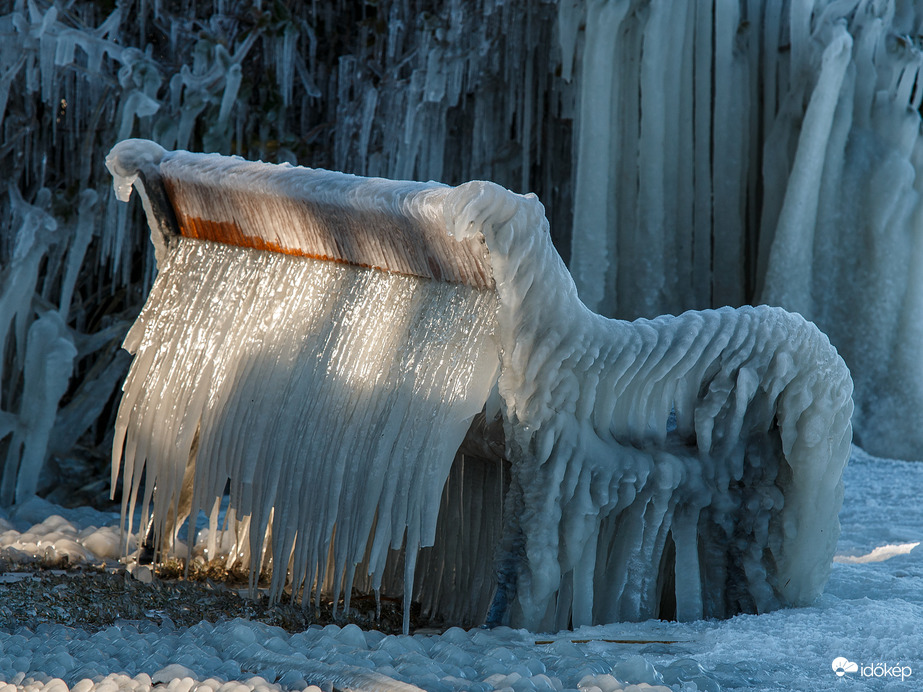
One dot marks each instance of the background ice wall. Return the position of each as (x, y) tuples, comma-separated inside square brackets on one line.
[(694, 149), (759, 152)]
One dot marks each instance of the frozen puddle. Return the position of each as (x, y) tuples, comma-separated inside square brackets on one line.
[(871, 614)]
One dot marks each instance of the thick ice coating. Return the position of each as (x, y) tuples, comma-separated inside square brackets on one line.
[(369, 222), (684, 466)]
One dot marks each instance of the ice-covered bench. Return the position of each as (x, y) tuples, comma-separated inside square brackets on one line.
[(319, 344)]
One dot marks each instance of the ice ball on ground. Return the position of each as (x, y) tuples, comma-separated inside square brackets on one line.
[(446, 652), (637, 669), (107, 684), (72, 550), (688, 670), (608, 683), (172, 672), (103, 542), (543, 683), (501, 653), (293, 680), (185, 684), (499, 680), (487, 667), (373, 638), (352, 635), (535, 666), (456, 635)]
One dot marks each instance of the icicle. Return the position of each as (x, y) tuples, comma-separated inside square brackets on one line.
[(86, 219), (730, 117), (20, 279), (285, 62), (232, 84), (570, 14), (789, 277), (369, 104), (47, 49), (48, 365), (6, 80), (654, 203), (600, 90), (702, 147)]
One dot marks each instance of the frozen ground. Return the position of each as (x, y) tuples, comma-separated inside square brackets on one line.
[(871, 614)]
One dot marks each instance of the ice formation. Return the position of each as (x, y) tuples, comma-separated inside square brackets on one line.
[(872, 608), (38, 531), (41, 353), (76, 77), (687, 466), (332, 398)]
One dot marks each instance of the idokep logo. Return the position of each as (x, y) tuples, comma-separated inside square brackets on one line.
[(841, 666)]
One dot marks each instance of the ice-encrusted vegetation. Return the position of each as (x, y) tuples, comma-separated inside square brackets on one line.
[(415, 92)]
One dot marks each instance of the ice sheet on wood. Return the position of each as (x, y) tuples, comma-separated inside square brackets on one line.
[(384, 224)]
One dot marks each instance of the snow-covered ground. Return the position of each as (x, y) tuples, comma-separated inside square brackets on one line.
[(870, 615)]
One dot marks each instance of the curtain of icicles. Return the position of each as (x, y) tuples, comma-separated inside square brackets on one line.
[(761, 152), (369, 379)]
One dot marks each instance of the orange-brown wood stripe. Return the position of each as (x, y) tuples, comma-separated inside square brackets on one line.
[(229, 233), (542, 642)]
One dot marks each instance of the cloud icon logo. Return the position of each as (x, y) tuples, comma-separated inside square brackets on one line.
[(841, 666)]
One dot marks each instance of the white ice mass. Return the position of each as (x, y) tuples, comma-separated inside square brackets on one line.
[(759, 152), (682, 467)]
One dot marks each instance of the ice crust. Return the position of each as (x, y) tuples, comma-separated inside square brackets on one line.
[(685, 466)]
